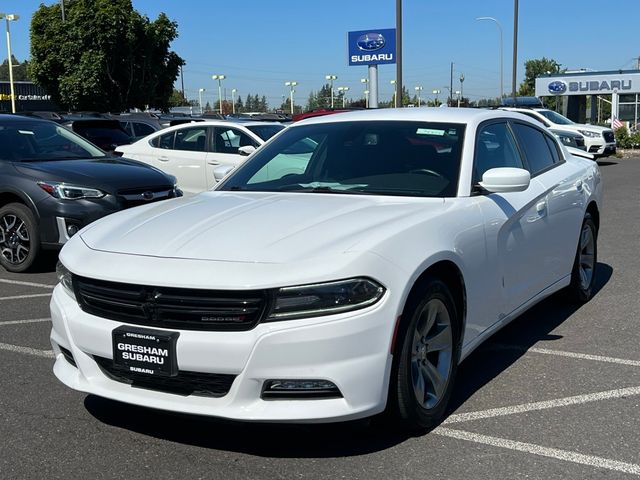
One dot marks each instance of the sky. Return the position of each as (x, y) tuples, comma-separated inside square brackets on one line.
[(261, 44)]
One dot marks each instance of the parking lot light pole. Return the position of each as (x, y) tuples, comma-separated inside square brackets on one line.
[(365, 82), (200, 92), (233, 100), (344, 91), (10, 17), (435, 91), (331, 78), (219, 78), (501, 53), (461, 89), (291, 92), (395, 93), (418, 91)]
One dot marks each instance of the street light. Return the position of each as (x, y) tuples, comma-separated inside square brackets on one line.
[(219, 78), (501, 57), (291, 90), (343, 90), (436, 92), (395, 93), (331, 78), (461, 89), (365, 82), (418, 90), (233, 100), (200, 92), (10, 17)]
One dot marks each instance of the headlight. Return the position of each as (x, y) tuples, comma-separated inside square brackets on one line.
[(589, 133), (325, 298), (70, 192), (566, 140), (65, 279)]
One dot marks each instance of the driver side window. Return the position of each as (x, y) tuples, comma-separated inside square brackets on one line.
[(495, 148)]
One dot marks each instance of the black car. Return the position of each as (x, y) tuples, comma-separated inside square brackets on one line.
[(53, 183), (106, 133)]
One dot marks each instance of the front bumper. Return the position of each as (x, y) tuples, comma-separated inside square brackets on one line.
[(351, 350), (599, 148)]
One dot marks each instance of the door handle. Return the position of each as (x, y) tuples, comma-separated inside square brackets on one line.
[(163, 159), (578, 185), (541, 206), (213, 162)]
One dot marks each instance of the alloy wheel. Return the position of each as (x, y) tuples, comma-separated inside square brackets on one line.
[(431, 353), (586, 257), (15, 243)]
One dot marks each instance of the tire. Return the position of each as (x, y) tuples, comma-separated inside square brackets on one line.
[(416, 361), (583, 274), (19, 238)]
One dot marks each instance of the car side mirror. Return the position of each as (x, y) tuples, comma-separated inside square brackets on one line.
[(505, 179), (222, 171), (246, 150)]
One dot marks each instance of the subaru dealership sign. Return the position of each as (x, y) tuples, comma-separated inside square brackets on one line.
[(589, 83), (372, 47)]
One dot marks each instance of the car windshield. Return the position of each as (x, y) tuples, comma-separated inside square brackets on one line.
[(374, 157), (555, 117), (37, 141), (265, 132)]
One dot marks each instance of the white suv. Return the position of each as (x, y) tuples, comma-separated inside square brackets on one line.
[(599, 141)]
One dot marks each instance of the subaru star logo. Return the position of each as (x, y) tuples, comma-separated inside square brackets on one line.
[(557, 87), (370, 42)]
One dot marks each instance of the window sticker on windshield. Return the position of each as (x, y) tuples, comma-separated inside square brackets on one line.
[(429, 131), (26, 132)]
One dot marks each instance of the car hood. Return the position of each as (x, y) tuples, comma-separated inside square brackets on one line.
[(576, 127), (256, 227), (108, 174)]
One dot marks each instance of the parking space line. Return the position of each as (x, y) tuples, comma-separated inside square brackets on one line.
[(26, 284), (19, 322), (544, 405), (561, 353), (556, 453), (27, 350), (19, 297)]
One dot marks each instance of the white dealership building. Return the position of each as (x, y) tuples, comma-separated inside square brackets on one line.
[(622, 85)]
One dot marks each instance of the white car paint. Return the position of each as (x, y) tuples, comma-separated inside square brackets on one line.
[(512, 249), (194, 169)]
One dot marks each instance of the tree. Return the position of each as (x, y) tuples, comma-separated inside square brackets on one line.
[(535, 68), (239, 105), (20, 73), (177, 99), (105, 57)]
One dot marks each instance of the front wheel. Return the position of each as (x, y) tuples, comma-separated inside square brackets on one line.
[(427, 357), (583, 275), (19, 237)]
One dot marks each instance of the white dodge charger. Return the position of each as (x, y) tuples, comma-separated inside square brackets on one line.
[(343, 271)]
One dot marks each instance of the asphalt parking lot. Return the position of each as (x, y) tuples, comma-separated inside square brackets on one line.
[(554, 395)]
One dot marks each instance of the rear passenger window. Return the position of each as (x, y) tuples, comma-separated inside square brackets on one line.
[(554, 149), (165, 141), (535, 148), (495, 148)]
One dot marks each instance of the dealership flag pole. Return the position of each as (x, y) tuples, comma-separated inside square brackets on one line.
[(515, 50), (399, 52)]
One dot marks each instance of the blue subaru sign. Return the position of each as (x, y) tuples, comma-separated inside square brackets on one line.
[(557, 87), (372, 47)]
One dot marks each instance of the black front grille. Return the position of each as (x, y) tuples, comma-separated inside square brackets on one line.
[(608, 136), (185, 383), (133, 197), (177, 308)]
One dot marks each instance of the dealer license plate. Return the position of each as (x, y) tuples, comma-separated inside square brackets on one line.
[(145, 351)]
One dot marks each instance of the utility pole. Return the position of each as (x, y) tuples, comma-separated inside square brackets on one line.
[(515, 50), (399, 52), (62, 8), (450, 102)]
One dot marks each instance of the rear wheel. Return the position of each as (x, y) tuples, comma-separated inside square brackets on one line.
[(426, 361), (583, 275), (19, 237)]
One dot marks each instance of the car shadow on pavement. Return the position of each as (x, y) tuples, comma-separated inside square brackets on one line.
[(524, 332), (338, 439)]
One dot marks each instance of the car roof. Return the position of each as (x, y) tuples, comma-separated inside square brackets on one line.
[(422, 114)]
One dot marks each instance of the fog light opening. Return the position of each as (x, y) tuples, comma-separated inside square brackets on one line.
[(299, 389), (72, 230), (68, 356)]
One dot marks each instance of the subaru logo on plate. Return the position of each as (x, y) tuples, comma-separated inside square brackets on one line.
[(557, 87), (148, 195), (370, 42)]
